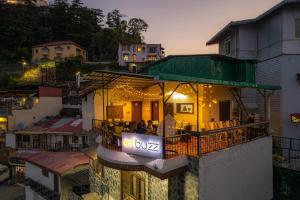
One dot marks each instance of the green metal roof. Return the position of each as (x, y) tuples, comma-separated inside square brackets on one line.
[(207, 69)]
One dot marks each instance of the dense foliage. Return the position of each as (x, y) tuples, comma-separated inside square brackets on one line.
[(23, 26)]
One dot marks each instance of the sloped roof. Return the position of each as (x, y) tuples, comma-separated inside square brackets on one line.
[(56, 125), (57, 162), (65, 42), (215, 39)]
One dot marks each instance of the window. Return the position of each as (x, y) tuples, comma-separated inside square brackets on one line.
[(152, 49), (36, 51), (68, 47), (78, 52), (125, 47), (139, 49), (134, 58), (45, 172), (144, 50), (58, 50), (297, 28), (227, 45), (75, 139), (26, 138), (134, 48), (152, 58), (126, 57)]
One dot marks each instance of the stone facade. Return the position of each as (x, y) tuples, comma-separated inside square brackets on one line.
[(185, 186)]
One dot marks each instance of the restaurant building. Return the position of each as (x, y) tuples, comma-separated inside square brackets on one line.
[(200, 142)]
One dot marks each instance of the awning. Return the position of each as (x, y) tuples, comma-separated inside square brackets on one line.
[(110, 79), (190, 79)]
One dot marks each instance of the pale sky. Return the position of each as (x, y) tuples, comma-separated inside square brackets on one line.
[(184, 26)]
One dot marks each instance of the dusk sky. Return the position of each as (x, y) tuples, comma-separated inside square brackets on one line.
[(184, 26)]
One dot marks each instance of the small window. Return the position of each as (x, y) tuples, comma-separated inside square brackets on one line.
[(152, 49), (68, 47), (36, 51), (297, 28), (134, 48), (45, 172), (227, 45), (139, 49), (126, 57), (78, 52), (75, 139), (134, 58)]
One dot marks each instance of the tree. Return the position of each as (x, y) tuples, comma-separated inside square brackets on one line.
[(136, 27)]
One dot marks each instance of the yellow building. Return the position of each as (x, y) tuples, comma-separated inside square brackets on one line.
[(57, 51)]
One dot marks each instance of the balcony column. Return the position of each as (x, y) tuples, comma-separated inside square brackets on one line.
[(164, 116), (103, 97)]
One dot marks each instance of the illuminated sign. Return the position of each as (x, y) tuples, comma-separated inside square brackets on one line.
[(143, 145), (295, 118)]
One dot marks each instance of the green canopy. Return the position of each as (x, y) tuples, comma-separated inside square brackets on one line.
[(207, 69)]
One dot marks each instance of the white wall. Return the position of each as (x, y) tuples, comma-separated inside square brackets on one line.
[(32, 195), (35, 173), (88, 111), (47, 106), (243, 172), (10, 140)]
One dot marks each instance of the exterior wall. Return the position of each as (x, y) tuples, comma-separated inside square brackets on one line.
[(47, 106), (32, 195), (269, 72), (38, 53), (290, 44), (247, 42), (10, 140), (185, 186), (35, 173), (241, 172), (141, 57), (88, 112)]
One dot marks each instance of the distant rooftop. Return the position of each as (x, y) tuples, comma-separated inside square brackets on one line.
[(57, 43), (56, 125), (56, 162)]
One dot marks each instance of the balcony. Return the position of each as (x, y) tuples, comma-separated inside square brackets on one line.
[(50, 146), (191, 143)]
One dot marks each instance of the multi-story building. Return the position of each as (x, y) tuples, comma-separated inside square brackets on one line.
[(54, 175), (23, 2), (58, 51), (136, 55), (273, 40), (194, 146)]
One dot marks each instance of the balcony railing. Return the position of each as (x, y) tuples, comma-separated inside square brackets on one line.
[(195, 143), (42, 190), (50, 146), (286, 150)]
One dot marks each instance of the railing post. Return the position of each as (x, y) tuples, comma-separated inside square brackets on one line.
[(290, 147)]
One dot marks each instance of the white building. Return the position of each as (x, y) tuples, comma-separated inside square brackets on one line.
[(54, 175), (135, 55), (273, 40)]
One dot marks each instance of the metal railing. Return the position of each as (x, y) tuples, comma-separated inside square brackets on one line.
[(51, 146), (42, 190), (198, 143), (286, 149)]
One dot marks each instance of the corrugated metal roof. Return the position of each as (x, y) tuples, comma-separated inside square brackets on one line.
[(56, 125), (56, 162)]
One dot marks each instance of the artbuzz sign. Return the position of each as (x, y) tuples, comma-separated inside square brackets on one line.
[(143, 145)]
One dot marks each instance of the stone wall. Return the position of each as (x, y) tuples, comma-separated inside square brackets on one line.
[(185, 186)]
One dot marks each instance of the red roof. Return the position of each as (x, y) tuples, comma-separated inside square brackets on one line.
[(57, 125), (65, 42), (56, 162)]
